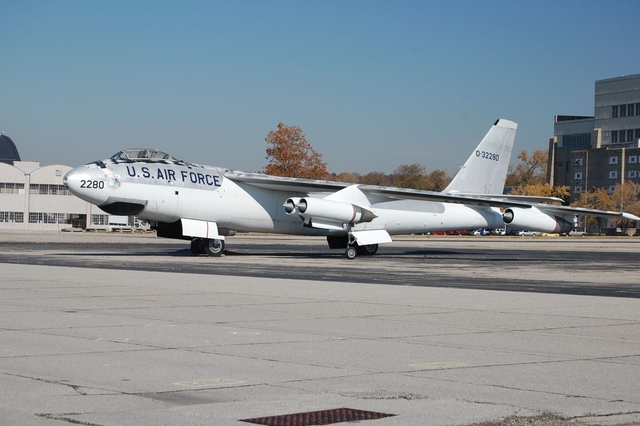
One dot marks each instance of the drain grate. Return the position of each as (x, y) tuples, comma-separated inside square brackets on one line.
[(324, 417)]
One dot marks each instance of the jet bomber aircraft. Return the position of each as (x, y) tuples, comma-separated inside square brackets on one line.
[(206, 204)]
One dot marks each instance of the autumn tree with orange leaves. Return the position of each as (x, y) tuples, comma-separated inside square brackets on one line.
[(290, 155)]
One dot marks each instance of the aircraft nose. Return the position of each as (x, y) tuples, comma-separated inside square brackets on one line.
[(87, 182)]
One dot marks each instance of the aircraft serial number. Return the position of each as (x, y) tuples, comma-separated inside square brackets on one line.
[(487, 155), (92, 184)]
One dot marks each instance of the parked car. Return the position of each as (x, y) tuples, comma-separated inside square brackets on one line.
[(499, 231), (576, 232), (515, 232), (529, 233)]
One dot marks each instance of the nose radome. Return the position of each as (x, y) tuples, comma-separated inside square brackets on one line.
[(86, 182)]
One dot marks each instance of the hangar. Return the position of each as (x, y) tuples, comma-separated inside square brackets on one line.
[(33, 196)]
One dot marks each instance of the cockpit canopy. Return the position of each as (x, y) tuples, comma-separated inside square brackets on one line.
[(141, 154)]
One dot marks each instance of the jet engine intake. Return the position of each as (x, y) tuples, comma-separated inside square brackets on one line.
[(335, 211), (535, 220)]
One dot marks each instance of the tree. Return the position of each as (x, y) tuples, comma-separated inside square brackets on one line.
[(542, 190), (377, 178), (532, 169), (290, 155), (529, 177), (437, 180), (345, 177), (409, 176), (623, 198)]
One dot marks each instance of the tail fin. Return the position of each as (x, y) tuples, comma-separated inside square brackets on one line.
[(486, 169)]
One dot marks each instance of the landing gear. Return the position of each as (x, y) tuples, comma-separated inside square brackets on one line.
[(368, 250), (197, 246), (351, 253), (354, 249), (212, 247)]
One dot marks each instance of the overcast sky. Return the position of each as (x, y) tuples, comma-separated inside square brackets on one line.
[(373, 84)]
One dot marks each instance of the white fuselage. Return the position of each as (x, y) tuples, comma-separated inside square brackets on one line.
[(170, 191)]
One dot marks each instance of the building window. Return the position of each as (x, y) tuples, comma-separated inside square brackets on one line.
[(578, 176), (613, 160), (577, 189), (11, 217), (614, 137), (37, 189), (636, 134), (633, 174), (613, 174), (49, 218), (631, 110), (99, 219), (577, 140), (611, 189), (623, 110), (577, 162), (614, 111), (10, 188), (633, 159), (637, 108)]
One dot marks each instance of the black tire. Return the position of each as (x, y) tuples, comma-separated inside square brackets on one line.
[(196, 246), (368, 250), (351, 253), (214, 247)]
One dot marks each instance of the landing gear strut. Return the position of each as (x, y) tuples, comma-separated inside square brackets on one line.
[(353, 248)]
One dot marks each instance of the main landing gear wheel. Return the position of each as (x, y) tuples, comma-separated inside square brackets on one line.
[(351, 253), (197, 246), (214, 247), (368, 250)]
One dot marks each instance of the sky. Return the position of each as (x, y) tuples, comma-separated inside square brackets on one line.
[(373, 84)]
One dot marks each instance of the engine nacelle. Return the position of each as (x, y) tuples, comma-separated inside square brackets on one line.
[(334, 211), (535, 220)]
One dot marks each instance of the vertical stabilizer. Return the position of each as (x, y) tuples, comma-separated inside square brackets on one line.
[(486, 169)]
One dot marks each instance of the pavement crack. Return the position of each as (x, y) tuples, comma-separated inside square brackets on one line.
[(596, 416), (76, 388), (63, 418)]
